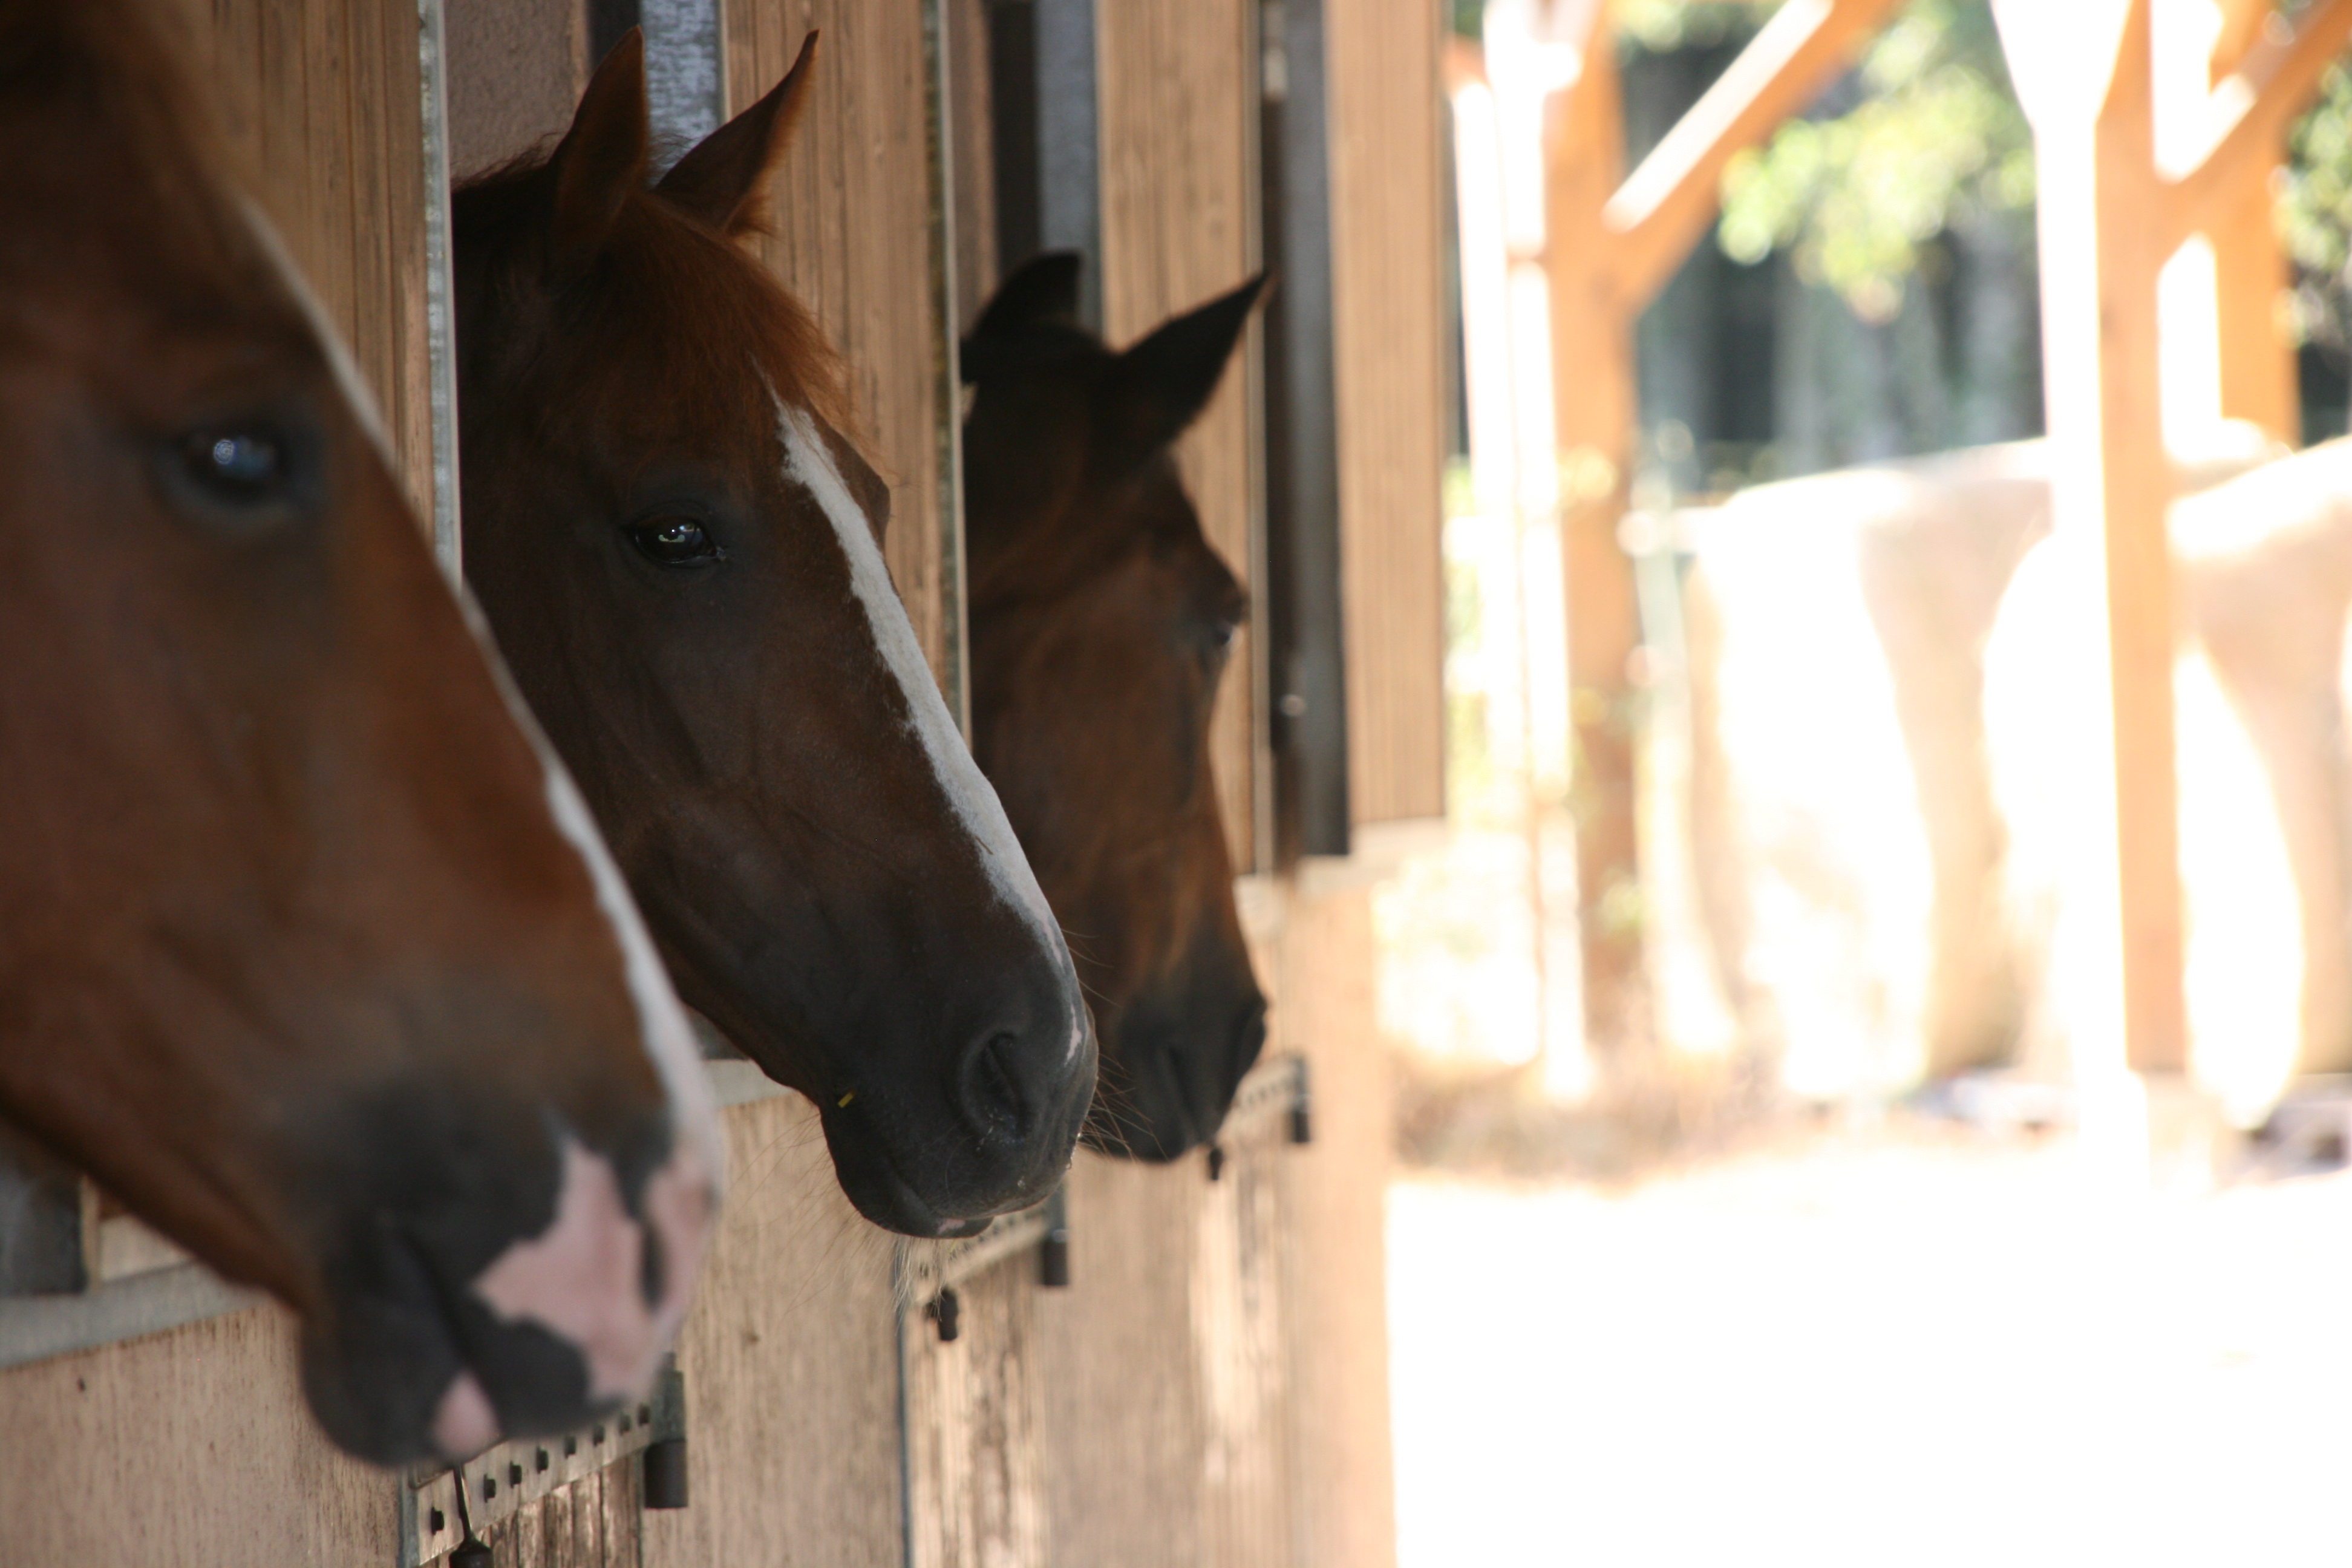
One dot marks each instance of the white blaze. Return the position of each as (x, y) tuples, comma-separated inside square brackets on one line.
[(808, 463)]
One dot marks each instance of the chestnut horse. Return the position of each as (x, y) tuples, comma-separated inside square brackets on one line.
[(681, 555), (308, 954), (1100, 622)]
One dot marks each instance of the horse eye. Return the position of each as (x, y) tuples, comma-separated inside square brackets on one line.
[(243, 467), (674, 541)]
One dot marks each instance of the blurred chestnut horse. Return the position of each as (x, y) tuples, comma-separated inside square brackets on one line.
[(1100, 621), (681, 556), (307, 952)]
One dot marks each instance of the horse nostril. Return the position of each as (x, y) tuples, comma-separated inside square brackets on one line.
[(991, 1091)]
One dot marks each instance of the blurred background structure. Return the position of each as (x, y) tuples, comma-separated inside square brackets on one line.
[(1899, 910), (1786, 753)]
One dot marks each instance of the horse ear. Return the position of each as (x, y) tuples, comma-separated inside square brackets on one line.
[(1164, 381), (722, 181), (602, 158), (1043, 288)]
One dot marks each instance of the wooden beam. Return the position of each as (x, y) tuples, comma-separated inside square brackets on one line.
[(1594, 414), (2135, 484), (2242, 25), (2274, 84), (2250, 273), (1652, 221), (2101, 248)]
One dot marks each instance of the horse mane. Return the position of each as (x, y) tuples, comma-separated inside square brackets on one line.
[(662, 275), (112, 79)]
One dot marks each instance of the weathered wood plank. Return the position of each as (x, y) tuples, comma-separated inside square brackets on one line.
[(790, 1359), (1381, 58), (977, 1496), (181, 1450)]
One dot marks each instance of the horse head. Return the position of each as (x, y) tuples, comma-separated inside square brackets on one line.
[(1100, 622), (681, 554), (309, 954)]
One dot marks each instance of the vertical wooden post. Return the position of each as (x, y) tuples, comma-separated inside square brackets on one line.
[(1594, 416), (2258, 370), (2086, 73), (2136, 483)]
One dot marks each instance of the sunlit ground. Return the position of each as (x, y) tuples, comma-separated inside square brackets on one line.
[(1888, 1347)]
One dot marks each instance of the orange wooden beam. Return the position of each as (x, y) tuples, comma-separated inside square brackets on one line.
[(2278, 82), (1652, 220), (2242, 25)]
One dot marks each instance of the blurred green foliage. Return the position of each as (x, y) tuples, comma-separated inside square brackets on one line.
[(1661, 25), (2314, 212), (1935, 137)]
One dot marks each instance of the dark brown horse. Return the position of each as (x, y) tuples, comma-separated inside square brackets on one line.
[(681, 556), (1100, 620), (307, 952)]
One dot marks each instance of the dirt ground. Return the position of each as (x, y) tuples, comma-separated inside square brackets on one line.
[(1898, 1346)]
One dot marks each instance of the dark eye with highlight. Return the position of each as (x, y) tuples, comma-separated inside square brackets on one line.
[(246, 478), (235, 467), (674, 540)]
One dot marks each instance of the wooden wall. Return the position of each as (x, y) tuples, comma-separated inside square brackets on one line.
[(851, 221), (1177, 85), (1388, 333), (1212, 1387), (790, 1359), (179, 1450)]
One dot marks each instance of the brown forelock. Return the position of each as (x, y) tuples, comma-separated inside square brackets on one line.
[(112, 162), (347, 802), (662, 281)]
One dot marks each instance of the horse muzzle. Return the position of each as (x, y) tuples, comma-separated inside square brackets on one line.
[(411, 1359)]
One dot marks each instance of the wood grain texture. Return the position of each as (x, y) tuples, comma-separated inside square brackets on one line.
[(1390, 346), (1177, 81), (1123, 1423), (596, 1522), (972, 1453), (183, 1449), (1242, 1349), (790, 1359), (1334, 1235), (323, 106), (850, 219), (973, 151)]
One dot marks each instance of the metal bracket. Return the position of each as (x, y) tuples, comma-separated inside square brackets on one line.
[(501, 1479), (925, 1270), (1275, 1087)]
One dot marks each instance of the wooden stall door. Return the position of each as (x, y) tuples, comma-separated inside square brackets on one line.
[(975, 1495)]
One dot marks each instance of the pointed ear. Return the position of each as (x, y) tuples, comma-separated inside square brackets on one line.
[(1043, 288), (1164, 381), (602, 158), (724, 179)]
